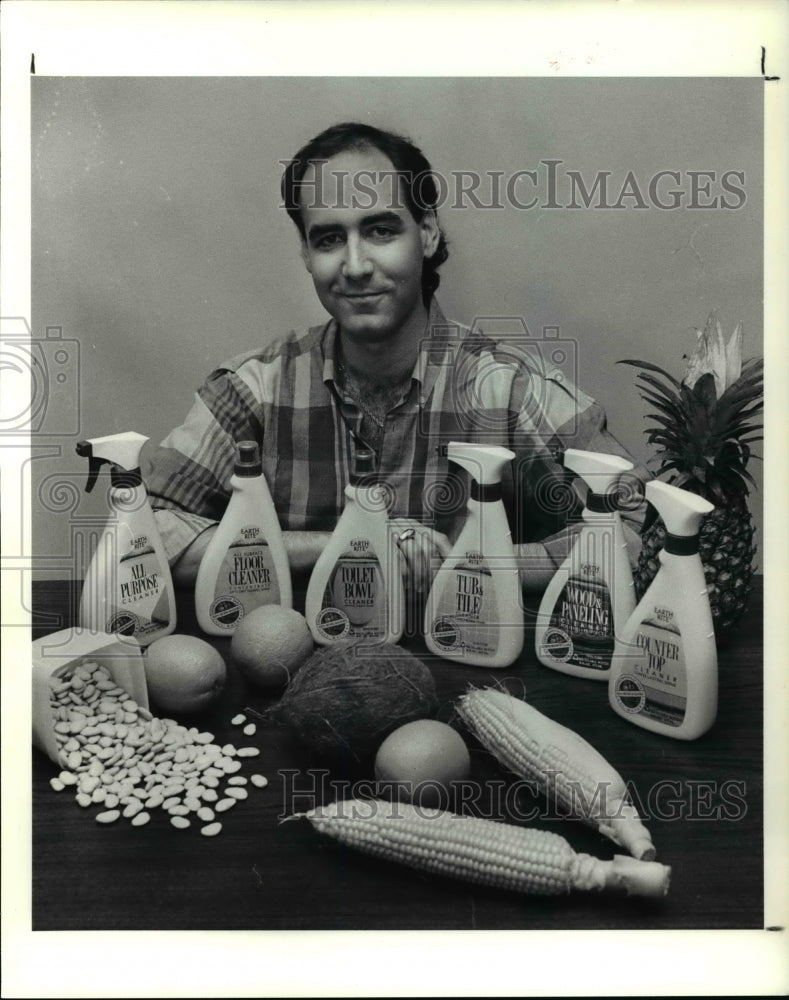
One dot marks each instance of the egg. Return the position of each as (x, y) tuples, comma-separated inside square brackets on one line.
[(420, 760)]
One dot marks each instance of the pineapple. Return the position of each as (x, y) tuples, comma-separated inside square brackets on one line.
[(703, 438)]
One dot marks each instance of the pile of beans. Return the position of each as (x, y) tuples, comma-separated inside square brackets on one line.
[(116, 756)]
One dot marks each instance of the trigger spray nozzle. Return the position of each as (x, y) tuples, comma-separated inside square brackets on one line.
[(120, 451), (85, 450)]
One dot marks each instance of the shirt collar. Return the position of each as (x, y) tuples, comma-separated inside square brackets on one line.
[(432, 351), (329, 350)]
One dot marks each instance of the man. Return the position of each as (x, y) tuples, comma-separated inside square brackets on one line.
[(387, 372)]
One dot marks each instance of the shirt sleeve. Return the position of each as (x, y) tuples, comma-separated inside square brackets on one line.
[(554, 415), (188, 479)]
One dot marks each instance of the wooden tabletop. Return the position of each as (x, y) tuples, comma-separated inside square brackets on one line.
[(703, 802)]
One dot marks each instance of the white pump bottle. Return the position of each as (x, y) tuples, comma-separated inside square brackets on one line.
[(356, 587), (664, 672), (245, 564), (128, 588), (474, 612), (591, 595)]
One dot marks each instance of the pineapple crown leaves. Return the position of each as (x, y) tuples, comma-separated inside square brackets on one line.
[(715, 356), (703, 429)]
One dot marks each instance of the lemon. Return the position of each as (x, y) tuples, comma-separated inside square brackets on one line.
[(270, 645), (184, 674)]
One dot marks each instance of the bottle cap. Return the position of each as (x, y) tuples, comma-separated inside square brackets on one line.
[(248, 461), (363, 464)]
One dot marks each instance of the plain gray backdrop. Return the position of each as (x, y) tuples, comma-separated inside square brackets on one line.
[(160, 248)]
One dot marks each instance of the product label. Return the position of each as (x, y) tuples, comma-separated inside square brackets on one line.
[(143, 607), (581, 630), (655, 683), (246, 579), (354, 600), (466, 617)]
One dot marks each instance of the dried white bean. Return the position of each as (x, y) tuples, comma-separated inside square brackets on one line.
[(88, 784), (259, 780), (130, 764)]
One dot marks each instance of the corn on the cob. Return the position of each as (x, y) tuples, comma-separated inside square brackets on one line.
[(481, 850), (561, 763)]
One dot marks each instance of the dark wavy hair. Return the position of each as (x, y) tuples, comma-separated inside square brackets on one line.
[(417, 181)]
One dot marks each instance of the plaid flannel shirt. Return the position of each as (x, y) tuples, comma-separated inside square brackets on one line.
[(464, 387)]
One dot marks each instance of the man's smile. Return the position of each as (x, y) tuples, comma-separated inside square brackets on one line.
[(361, 296)]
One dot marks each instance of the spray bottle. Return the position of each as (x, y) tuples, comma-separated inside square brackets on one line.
[(128, 588), (591, 595), (664, 672), (474, 611), (356, 587), (245, 564)]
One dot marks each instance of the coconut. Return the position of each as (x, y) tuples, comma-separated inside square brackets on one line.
[(347, 698)]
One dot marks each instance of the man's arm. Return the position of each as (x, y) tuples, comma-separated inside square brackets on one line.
[(536, 567), (566, 418), (302, 547), (188, 475)]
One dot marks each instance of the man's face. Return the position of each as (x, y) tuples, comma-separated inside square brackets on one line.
[(363, 247)]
